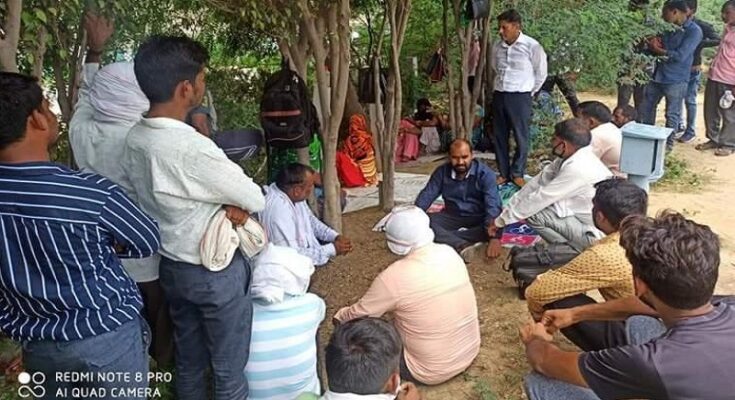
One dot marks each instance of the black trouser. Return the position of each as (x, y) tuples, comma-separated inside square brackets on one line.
[(403, 370), (458, 232), (155, 311), (566, 87), (511, 112), (591, 335), (638, 92)]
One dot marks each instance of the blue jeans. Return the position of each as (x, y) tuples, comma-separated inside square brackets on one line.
[(691, 104), (639, 330), (212, 313), (122, 352), (674, 94)]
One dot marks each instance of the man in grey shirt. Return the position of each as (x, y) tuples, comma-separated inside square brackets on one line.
[(688, 355)]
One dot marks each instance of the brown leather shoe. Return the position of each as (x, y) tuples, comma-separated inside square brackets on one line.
[(518, 181), (500, 180)]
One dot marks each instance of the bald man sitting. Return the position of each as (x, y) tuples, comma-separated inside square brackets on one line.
[(471, 202)]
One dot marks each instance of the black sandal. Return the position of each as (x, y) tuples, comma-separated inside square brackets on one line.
[(709, 145)]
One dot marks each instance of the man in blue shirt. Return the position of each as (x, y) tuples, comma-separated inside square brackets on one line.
[(471, 201), (671, 76), (710, 38), (63, 292)]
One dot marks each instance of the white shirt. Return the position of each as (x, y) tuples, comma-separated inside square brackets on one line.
[(295, 225), (519, 67), (607, 139), (566, 185), (329, 395), (98, 148), (182, 179)]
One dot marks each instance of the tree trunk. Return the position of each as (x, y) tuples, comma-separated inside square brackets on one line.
[(398, 12), (352, 107), (463, 98), (39, 52), (332, 24), (378, 117), (453, 117), (68, 89), (9, 44)]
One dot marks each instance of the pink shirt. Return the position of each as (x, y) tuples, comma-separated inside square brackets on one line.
[(723, 65), (434, 308), (606, 143)]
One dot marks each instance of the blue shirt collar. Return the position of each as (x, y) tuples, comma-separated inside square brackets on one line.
[(470, 172), (33, 168)]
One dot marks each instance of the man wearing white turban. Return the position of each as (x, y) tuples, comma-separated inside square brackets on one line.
[(283, 351), (430, 296), (110, 103)]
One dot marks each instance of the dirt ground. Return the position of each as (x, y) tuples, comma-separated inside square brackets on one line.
[(499, 368)]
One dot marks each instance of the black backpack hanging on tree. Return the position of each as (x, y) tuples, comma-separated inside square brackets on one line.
[(478, 9), (287, 115)]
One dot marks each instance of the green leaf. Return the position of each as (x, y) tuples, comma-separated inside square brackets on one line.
[(26, 18), (40, 15)]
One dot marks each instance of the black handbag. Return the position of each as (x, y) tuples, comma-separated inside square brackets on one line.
[(366, 85), (526, 263), (437, 67), (478, 9)]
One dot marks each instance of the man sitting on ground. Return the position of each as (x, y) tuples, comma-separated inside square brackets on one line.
[(471, 201), (602, 266), (431, 297), (285, 322), (624, 114), (363, 361), (289, 221), (606, 137), (675, 267), (557, 202)]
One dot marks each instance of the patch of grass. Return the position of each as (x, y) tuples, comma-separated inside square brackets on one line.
[(165, 390), (482, 388), (679, 175)]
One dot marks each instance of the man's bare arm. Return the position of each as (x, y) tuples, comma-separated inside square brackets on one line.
[(613, 310)]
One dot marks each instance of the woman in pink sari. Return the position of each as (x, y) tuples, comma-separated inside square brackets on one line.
[(407, 145)]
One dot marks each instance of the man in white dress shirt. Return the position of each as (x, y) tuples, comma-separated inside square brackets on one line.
[(557, 202), (519, 64), (289, 221), (183, 179), (607, 139)]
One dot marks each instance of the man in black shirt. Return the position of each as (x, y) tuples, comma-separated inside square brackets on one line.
[(675, 267), (710, 38)]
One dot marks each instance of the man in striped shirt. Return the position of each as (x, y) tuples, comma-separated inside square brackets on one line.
[(63, 291), (283, 348)]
